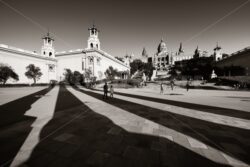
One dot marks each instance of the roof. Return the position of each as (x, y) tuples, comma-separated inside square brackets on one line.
[(79, 51), (12, 49)]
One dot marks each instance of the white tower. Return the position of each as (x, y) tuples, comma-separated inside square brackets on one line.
[(127, 60), (93, 40), (47, 48), (217, 53)]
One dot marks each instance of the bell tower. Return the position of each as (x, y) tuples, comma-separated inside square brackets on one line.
[(47, 48), (93, 40), (217, 53)]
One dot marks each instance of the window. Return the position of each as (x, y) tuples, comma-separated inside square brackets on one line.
[(51, 67), (91, 60), (98, 61), (50, 53), (91, 45), (97, 46), (82, 65), (44, 53)]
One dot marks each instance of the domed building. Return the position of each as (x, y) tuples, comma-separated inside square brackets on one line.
[(161, 60)]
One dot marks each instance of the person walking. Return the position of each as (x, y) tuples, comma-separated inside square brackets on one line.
[(187, 85), (172, 84), (161, 87), (111, 91), (105, 89)]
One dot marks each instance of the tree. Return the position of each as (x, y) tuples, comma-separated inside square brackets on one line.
[(87, 75), (201, 66), (137, 64), (33, 72), (111, 73), (73, 77), (148, 69), (6, 72)]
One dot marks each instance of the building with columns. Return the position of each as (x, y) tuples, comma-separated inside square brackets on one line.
[(91, 58), (53, 64), (163, 59)]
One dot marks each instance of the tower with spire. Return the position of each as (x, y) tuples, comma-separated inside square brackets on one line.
[(93, 40), (47, 48), (180, 51), (217, 53), (144, 55), (197, 52)]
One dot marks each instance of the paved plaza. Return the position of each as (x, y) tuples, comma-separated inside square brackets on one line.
[(74, 126)]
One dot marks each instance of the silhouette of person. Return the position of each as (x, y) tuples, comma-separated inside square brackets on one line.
[(172, 84), (161, 87), (187, 85), (105, 89), (111, 91)]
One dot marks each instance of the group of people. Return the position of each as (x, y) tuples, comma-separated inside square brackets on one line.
[(105, 90)]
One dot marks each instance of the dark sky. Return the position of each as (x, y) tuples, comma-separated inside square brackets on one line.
[(128, 25)]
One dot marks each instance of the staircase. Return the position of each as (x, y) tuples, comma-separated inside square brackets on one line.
[(137, 75)]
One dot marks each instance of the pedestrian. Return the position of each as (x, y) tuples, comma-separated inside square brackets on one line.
[(111, 91), (105, 89), (172, 84), (187, 85), (161, 87)]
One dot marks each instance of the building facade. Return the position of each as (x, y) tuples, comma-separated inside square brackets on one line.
[(19, 59), (53, 64), (163, 59)]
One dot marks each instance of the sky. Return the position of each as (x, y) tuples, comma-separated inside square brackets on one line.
[(127, 26)]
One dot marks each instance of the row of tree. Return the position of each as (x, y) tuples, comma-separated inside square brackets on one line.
[(75, 77), (6, 73), (203, 67)]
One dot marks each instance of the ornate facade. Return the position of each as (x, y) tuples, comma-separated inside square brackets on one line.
[(53, 64), (163, 59)]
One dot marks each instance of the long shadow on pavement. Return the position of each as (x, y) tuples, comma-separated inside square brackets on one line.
[(15, 126), (78, 136), (193, 106), (231, 140)]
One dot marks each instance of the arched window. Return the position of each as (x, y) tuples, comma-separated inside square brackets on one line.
[(91, 45), (44, 53), (97, 46), (50, 53)]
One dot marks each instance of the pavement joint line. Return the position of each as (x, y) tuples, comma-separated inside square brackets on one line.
[(67, 123), (222, 149)]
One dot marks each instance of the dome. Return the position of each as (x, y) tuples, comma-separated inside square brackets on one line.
[(162, 46)]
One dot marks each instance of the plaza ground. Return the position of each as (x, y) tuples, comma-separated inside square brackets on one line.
[(74, 126)]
